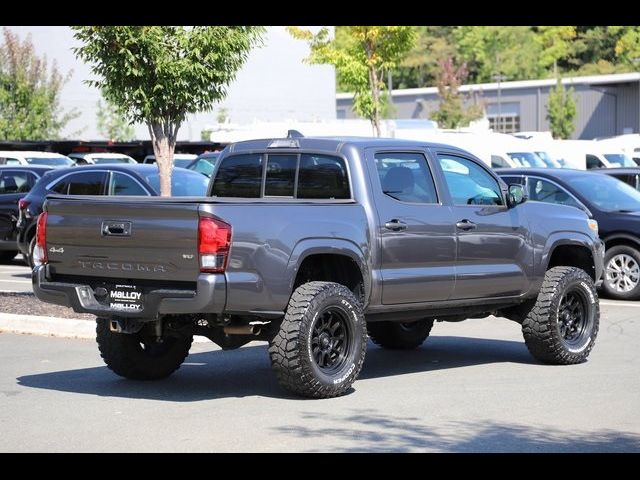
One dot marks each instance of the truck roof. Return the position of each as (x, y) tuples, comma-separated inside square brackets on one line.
[(329, 144)]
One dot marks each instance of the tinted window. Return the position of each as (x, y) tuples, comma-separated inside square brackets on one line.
[(498, 162), (184, 183), (122, 184), (239, 176), (203, 166), (406, 177), (52, 162), (281, 175), (86, 183), (16, 182), (544, 191), (593, 162), (322, 176), (630, 179), (607, 193), (469, 183)]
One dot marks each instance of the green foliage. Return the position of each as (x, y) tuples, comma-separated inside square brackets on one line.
[(555, 42), (29, 93), (361, 55), (628, 44), (159, 74), (561, 111), (222, 115), (452, 113), (112, 123), (491, 50)]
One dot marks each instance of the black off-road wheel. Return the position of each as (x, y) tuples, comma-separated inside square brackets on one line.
[(136, 357), (563, 325), (7, 256), (399, 335), (320, 346)]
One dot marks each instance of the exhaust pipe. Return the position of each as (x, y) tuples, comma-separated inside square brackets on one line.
[(242, 330)]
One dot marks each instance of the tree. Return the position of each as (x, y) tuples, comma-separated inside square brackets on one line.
[(29, 93), (112, 124), (628, 44), (561, 111), (159, 74), (556, 44), (452, 113), (362, 55)]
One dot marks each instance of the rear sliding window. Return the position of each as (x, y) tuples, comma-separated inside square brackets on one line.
[(304, 176)]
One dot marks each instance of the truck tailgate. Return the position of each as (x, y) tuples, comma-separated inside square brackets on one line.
[(125, 238)]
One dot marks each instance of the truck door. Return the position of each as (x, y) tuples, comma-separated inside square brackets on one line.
[(416, 232), (493, 251)]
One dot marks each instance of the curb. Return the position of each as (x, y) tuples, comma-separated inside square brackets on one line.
[(56, 327), (51, 326)]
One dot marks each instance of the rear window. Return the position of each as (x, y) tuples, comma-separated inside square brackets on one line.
[(304, 176)]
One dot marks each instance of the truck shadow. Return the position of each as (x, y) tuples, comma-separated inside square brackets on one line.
[(247, 372)]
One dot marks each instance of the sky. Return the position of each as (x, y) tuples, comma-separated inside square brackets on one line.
[(274, 85)]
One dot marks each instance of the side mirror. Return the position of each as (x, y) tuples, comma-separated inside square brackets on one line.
[(515, 195)]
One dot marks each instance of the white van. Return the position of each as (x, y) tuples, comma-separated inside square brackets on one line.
[(589, 155)]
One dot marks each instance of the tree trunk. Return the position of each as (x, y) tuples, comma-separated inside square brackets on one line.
[(375, 93), (163, 138)]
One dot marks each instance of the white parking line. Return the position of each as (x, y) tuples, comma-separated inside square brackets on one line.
[(15, 281), (619, 304)]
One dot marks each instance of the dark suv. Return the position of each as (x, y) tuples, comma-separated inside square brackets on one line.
[(610, 201)]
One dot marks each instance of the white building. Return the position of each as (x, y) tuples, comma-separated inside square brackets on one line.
[(274, 85)]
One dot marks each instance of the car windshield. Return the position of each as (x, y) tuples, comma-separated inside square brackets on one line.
[(527, 159), (607, 193), (110, 160), (204, 166), (182, 162), (54, 161), (550, 162), (619, 160), (184, 183)]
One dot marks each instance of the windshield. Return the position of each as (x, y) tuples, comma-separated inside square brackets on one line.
[(550, 162), (184, 183), (182, 162), (203, 166), (55, 161), (607, 193), (110, 160), (619, 160), (528, 159)]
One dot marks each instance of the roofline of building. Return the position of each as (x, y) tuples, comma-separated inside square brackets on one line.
[(547, 82)]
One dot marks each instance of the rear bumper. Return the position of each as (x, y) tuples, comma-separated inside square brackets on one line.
[(210, 297)]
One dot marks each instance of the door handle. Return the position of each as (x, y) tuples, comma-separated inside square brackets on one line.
[(395, 225), (466, 225)]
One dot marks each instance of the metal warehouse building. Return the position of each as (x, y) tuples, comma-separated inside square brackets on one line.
[(607, 104)]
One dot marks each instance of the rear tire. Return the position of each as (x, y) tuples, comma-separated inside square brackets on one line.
[(7, 256), (398, 335), (320, 347), (563, 325), (622, 273), (133, 357), (32, 246)]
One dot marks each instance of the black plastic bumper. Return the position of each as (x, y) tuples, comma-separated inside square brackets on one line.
[(210, 297)]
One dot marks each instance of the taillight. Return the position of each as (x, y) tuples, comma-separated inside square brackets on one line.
[(40, 256), (214, 240), (23, 204)]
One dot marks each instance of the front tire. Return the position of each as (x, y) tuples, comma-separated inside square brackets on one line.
[(563, 325), (622, 273), (398, 335), (320, 347), (138, 358)]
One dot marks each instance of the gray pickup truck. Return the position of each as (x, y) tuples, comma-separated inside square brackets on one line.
[(312, 244)]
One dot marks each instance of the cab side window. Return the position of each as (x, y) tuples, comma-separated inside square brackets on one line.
[(469, 183), (406, 177)]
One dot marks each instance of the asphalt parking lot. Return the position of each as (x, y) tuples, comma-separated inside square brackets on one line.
[(15, 276), (472, 387)]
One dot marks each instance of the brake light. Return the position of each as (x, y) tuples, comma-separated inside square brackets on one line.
[(23, 204), (40, 256), (214, 240)]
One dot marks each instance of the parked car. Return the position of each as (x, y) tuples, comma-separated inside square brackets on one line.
[(205, 163), (25, 158), (179, 159), (108, 179), (15, 183), (310, 244), (614, 204), (100, 158), (590, 154), (630, 176)]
